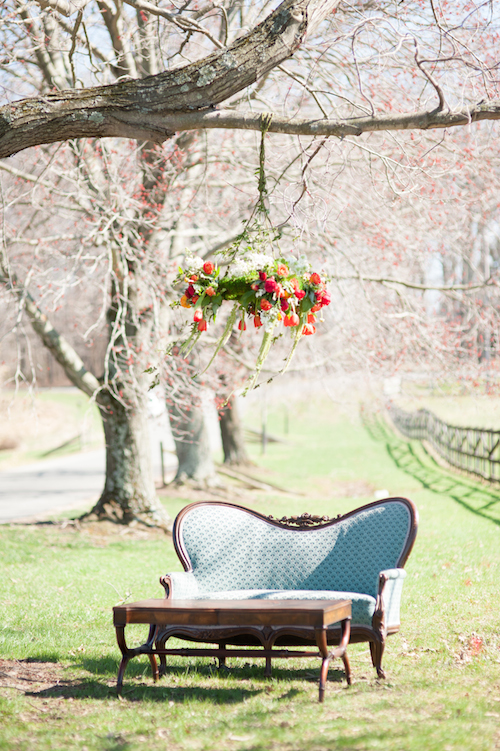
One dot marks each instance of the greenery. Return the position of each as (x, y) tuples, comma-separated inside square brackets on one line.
[(60, 658)]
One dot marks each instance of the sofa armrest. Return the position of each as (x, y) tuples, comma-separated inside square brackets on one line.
[(390, 586), (181, 585)]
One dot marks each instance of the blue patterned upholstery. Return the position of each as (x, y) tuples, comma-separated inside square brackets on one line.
[(230, 550)]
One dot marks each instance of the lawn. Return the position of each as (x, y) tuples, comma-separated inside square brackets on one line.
[(59, 656)]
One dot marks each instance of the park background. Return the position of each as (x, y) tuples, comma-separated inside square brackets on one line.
[(361, 135)]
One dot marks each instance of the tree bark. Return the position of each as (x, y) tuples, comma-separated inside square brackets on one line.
[(192, 444), (125, 108), (231, 430), (129, 492)]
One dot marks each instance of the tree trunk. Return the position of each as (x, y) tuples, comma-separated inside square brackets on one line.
[(192, 444), (129, 492), (231, 430)]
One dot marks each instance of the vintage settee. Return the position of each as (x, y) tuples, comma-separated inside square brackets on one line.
[(231, 552)]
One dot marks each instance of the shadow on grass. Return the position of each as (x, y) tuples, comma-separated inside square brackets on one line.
[(473, 496), (226, 686)]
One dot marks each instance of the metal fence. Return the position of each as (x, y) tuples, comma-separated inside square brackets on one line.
[(471, 449)]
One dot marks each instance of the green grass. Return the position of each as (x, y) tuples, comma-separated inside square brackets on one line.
[(443, 687)]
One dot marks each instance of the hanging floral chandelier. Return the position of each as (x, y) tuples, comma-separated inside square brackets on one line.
[(268, 291)]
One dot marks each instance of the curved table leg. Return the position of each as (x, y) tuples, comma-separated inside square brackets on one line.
[(126, 655), (153, 631), (340, 651), (322, 643)]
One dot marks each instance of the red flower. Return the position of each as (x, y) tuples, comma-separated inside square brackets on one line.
[(198, 315), (326, 299), (242, 325), (309, 329), (282, 270), (315, 279), (202, 326), (208, 268), (311, 318), (210, 291), (316, 307), (254, 286), (193, 278), (257, 322), (262, 276), (190, 291), (270, 285), (195, 299), (300, 294), (294, 319), (284, 305), (265, 305)]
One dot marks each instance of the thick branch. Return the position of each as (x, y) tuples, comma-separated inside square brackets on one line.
[(127, 108), (161, 126), (229, 119)]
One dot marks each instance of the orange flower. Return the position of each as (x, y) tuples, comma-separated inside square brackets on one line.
[(315, 308), (282, 270), (202, 326), (208, 268), (210, 291), (315, 278), (311, 318), (309, 329), (257, 322), (185, 302), (265, 305), (193, 278), (294, 319)]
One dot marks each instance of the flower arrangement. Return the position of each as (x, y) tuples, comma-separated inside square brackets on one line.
[(268, 291)]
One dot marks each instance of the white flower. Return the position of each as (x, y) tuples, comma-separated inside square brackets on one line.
[(299, 266), (194, 263), (240, 268), (259, 261)]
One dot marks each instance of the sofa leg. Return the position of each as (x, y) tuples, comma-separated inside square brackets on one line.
[(377, 651)]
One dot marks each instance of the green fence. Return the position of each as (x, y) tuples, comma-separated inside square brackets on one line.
[(472, 449)]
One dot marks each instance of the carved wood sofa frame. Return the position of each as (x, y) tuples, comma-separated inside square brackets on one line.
[(223, 546)]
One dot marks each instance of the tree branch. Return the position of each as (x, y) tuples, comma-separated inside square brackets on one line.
[(423, 287), (60, 348), (127, 108)]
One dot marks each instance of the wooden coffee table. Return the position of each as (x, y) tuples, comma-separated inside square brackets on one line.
[(266, 619)]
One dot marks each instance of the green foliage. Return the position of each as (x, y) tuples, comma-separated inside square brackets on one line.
[(443, 686)]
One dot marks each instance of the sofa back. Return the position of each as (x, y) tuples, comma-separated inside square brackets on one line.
[(229, 547)]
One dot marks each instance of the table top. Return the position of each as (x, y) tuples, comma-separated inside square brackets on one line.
[(312, 613)]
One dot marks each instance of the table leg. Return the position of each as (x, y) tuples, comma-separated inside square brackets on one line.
[(322, 643), (126, 655), (340, 651), (153, 632)]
